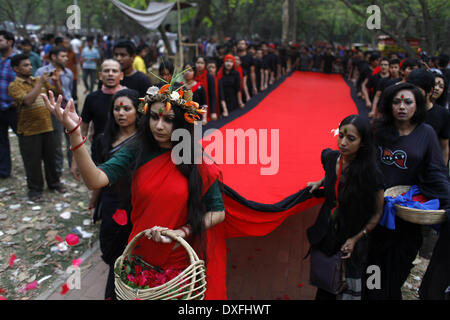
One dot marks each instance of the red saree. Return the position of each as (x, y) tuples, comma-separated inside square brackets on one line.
[(159, 198)]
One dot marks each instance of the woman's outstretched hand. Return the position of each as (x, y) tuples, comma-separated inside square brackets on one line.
[(68, 116), (314, 185)]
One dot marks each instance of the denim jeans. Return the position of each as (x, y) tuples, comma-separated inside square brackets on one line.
[(92, 74)]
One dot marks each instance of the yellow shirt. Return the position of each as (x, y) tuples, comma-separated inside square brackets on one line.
[(139, 64), (34, 119)]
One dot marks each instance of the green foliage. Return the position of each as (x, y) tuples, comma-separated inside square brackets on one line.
[(342, 21)]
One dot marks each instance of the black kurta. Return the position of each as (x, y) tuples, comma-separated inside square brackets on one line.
[(231, 85)]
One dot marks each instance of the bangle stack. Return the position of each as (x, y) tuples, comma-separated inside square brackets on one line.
[(186, 230), (74, 129), (78, 146)]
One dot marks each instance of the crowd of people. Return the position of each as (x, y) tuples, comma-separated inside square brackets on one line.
[(407, 98)]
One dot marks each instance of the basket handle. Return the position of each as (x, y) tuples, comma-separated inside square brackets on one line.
[(169, 233)]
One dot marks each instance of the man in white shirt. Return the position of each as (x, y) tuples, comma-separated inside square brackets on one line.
[(76, 45)]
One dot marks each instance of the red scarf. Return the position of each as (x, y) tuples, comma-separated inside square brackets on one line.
[(203, 79), (238, 69)]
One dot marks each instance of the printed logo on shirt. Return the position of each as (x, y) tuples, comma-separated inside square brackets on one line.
[(398, 157)]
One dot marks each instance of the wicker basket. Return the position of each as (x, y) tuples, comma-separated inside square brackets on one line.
[(426, 217), (190, 283)]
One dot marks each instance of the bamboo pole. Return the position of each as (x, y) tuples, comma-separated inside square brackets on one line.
[(180, 42)]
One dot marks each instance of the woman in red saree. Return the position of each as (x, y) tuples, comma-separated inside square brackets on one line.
[(183, 197)]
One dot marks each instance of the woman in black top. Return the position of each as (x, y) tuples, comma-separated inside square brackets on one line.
[(230, 83), (120, 130), (343, 225), (408, 154)]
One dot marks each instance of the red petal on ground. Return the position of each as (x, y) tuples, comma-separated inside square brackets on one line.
[(120, 217), (77, 262), (12, 259), (286, 297), (258, 249), (58, 238), (3, 298), (64, 288), (72, 239), (300, 285), (2, 290), (31, 286)]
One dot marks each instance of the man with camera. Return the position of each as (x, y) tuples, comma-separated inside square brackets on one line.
[(37, 139), (58, 58)]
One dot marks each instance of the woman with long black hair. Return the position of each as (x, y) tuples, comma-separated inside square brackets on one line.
[(353, 202), (408, 154), (120, 130), (440, 92), (167, 194)]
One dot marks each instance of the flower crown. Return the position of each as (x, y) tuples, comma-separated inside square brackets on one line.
[(177, 98)]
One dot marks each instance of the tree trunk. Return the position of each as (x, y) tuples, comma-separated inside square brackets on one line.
[(289, 21), (430, 36), (166, 41)]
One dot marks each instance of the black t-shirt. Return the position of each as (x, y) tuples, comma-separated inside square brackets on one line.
[(439, 118), (137, 81), (258, 68), (386, 82), (328, 62), (96, 108), (373, 84), (317, 61), (230, 85), (270, 60), (414, 158), (247, 62)]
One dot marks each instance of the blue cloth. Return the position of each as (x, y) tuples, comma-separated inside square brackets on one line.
[(388, 218), (89, 55)]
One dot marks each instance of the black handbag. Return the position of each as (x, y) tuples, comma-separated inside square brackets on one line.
[(327, 272)]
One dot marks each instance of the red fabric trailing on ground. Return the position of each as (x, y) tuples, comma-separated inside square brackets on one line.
[(305, 108)]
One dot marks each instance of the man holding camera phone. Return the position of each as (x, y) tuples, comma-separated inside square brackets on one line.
[(37, 139), (58, 59)]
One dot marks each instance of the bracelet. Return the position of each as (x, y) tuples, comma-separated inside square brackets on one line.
[(186, 229), (74, 129), (364, 232), (78, 146)]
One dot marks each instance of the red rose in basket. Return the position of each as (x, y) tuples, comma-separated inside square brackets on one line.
[(139, 276)]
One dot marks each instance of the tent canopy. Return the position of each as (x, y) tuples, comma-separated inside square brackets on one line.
[(153, 16)]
